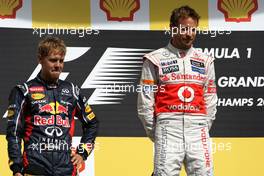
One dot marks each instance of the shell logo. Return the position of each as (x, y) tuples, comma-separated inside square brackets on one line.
[(237, 11), (8, 8), (38, 96), (120, 10)]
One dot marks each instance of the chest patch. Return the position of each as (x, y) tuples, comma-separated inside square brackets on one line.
[(170, 69), (197, 64), (199, 70)]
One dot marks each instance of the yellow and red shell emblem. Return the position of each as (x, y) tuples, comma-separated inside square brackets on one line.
[(8, 8), (120, 10), (238, 10), (38, 96)]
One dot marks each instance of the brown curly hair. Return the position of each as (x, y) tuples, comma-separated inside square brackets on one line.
[(183, 12)]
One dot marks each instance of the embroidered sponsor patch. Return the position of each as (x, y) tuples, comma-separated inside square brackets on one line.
[(199, 70), (211, 90), (170, 69), (197, 64), (164, 77), (211, 83), (166, 53), (66, 92), (197, 59), (88, 109), (36, 89), (90, 116), (38, 96), (10, 113), (168, 62), (148, 81), (39, 102)]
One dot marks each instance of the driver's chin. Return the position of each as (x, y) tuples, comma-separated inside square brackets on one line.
[(55, 76), (187, 45)]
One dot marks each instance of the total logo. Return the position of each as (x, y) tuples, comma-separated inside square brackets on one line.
[(50, 108), (186, 94)]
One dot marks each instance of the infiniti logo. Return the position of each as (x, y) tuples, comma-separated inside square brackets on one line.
[(51, 130)]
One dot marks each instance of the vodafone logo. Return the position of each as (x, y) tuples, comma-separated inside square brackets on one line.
[(186, 94)]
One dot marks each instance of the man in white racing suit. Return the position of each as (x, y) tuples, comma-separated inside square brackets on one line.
[(178, 103)]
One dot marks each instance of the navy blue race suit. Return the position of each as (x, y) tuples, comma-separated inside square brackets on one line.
[(42, 115)]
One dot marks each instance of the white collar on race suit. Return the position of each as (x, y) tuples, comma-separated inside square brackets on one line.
[(179, 53)]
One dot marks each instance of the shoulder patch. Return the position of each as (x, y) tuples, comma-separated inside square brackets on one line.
[(90, 116)]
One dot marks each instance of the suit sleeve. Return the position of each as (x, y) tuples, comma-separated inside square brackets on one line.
[(211, 94), (89, 125), (14, 132), (146, 97)]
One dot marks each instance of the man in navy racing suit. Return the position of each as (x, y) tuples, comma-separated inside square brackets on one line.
[(41, 113)]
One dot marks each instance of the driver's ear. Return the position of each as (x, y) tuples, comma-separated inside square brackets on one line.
[(39, 59)]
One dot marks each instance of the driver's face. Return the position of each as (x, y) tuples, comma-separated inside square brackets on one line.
[(52, 66), (185, 34)]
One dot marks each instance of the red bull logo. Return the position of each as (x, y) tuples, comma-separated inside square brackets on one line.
[(46, 108), (41, 121), (53, 108), (62, 110)]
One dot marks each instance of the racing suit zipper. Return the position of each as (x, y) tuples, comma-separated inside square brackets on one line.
[(183, 119), (54, 126), (183, 83)]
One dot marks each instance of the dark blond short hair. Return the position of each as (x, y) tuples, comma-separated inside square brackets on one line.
[(49, 44)]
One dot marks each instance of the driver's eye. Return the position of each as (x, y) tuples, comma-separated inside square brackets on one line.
[(53, 60), (185, 29)]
